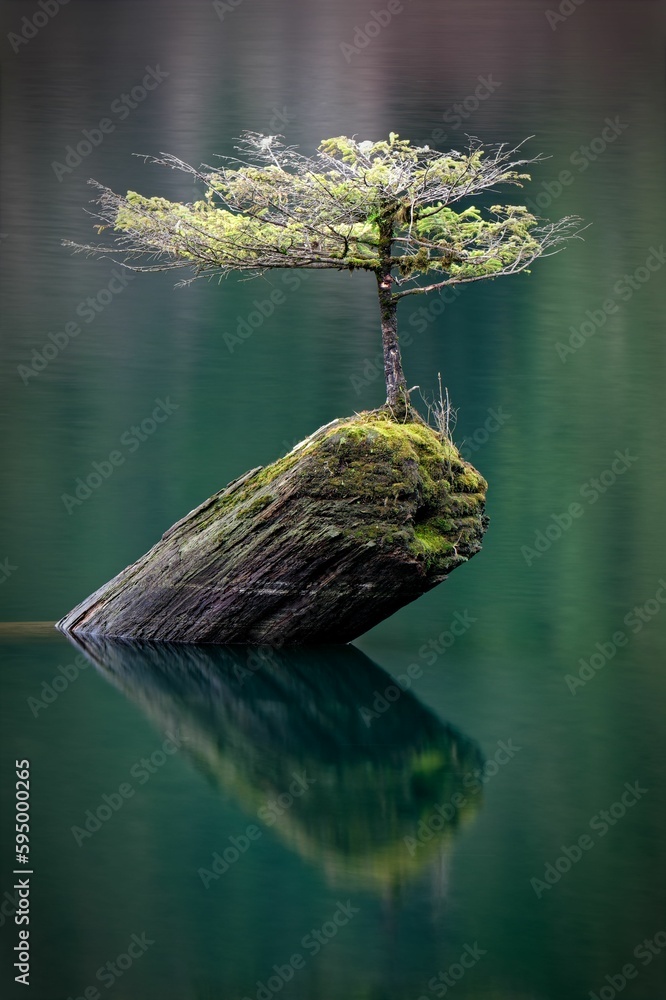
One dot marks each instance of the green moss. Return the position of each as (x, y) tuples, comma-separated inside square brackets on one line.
[(434, 547), (271, 472), (471, 479), (440, 525), (378, 482), (431, 541), (258, 504)]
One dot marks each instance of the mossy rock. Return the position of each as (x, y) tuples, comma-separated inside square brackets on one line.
[(359, 519)]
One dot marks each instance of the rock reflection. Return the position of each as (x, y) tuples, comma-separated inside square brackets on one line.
[(389, 790)]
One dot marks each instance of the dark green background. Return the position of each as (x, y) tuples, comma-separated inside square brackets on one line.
[(504, 678)]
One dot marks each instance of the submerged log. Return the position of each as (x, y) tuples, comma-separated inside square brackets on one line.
[(356, 521)]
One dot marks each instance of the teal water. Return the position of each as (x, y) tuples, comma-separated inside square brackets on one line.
[(547, 591)]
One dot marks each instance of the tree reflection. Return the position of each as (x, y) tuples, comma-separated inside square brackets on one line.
[(387, 783)]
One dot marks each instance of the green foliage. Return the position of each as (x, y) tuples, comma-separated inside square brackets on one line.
[(478, 245), (377, 206), (381, 462)]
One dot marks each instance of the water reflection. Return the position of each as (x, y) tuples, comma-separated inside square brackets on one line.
[(384, 767)]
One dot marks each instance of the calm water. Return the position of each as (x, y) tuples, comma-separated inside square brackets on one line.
[(419, 828)]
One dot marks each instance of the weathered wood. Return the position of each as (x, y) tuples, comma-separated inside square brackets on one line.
[(358, 520)]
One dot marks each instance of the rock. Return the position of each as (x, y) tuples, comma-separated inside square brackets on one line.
[(361, 518)]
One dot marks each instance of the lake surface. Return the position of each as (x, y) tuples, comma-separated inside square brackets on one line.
[(298, 824)]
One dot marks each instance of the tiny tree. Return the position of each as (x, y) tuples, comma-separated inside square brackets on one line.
[(404, 213)]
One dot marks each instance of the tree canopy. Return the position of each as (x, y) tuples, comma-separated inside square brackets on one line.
[(406, 213), (349, 206)]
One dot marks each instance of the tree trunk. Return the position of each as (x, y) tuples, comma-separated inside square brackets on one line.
[(396, 385), (358, 520)]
